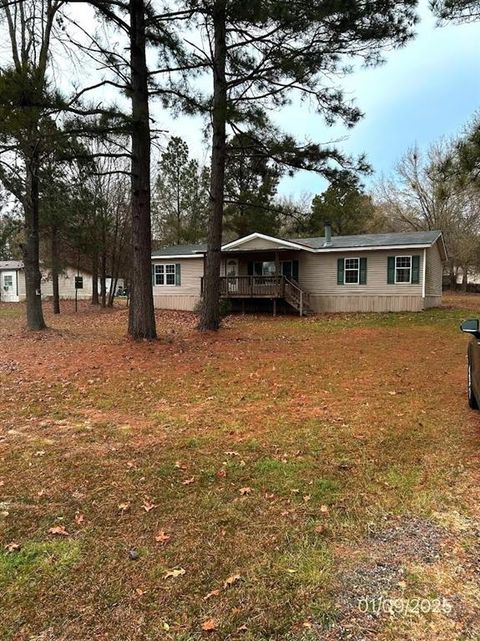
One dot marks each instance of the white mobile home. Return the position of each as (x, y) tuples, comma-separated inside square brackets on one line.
[(12, 283), (372, 272)]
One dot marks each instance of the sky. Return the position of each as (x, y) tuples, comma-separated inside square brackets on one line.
[(425, 91), (428, 90)]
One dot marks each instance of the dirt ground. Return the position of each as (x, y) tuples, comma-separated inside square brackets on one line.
[(286, 479)]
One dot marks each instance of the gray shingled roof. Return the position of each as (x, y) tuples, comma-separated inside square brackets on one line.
[(373, 240), (338, 242), (11, 264), (180, 250)]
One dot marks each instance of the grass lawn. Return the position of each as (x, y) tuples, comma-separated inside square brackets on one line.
[(274, 481)]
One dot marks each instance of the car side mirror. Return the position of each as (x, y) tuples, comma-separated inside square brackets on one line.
[(470, 326)]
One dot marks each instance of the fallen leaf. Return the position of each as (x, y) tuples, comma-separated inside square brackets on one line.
[(319, 529), (307, 498), (174, 573), (79, 518), (210, 594), (231, 580), (188, 481), (324, 509), (162, 537), (12, 547), (58, 530), (221, 474), (245, 490), (123, 507), (209, 625), (242, 628)]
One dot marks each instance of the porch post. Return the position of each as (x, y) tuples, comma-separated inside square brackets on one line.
[(277, 275)]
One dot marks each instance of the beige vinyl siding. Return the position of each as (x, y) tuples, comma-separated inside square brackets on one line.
[(434, 272), (66, 285), (318, 275), (186, 295), (21, 285)]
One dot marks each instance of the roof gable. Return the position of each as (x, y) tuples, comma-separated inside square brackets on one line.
[(262, 241)]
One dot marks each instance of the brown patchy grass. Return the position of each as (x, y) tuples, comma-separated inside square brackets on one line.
[(350, 432)]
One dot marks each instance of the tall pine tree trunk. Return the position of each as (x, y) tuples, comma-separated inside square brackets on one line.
[(103, 279), (95, 300), (210, 313), (55, 269), (141, 323), (31, 248), (464, 279)]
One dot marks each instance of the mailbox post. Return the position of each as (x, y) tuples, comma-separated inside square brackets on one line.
[(78, 285)]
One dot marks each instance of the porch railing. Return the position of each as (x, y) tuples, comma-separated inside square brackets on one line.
[(251, 286)]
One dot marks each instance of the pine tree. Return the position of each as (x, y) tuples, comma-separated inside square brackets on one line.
[(456, 10), (181, 197), (262, 56)]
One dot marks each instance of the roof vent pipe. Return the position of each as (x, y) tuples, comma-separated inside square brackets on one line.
[(328, 235)]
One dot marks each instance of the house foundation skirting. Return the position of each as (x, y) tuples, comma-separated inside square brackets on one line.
[(357, 303), (183, 302)]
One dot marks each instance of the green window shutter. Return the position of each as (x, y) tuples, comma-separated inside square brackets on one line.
[(391, 270), (415, 270), (340, 271), (178, 275), (250, 268), (295, 270), (363, 271)]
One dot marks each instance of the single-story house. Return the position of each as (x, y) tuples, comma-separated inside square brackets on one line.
[(369, 272), (12, 283)]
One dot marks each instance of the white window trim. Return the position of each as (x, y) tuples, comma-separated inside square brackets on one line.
[(357, 282), (404, 282), (164, 265)]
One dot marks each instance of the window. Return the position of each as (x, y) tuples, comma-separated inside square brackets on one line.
[(403, 269), (164, 274), (8, 282), (352, 271), (266, 268)]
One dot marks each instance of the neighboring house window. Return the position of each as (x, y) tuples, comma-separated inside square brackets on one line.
[(165, 274), (352, 271), (403, 269)]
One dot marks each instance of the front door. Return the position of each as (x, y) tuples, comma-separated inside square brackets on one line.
[(8, 287), (287, 268), (232, 274)]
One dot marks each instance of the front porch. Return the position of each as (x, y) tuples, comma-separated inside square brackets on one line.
[(263, 275)]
